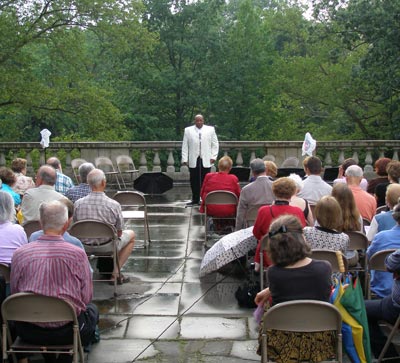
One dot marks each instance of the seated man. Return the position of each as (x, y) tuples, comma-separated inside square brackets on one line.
[(44, 192), (254, 194), (64, 182), (98, 206), (67, 265), (220, 180), (83, 189)]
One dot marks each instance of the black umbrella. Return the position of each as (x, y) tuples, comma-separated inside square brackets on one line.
[(153, 183)]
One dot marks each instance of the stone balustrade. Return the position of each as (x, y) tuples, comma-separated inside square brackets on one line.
[(165, 155)]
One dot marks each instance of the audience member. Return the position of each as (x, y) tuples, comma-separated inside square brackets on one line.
[(83, 189), (220, 180), (314, 187), (295, 276), (327, 234), (12, 235), (352, 220), (70, 280), (98, 206), (302, 203), (18, 166), (365, 202), (63, 182), (44, 192), (271, 169), (380, 170), (384, 221), (8, 179), (342, 170), (381, 282), (387, 309), (393, 171), (283, 189), (254, 194)]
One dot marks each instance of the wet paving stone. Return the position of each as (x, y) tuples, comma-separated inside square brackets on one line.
[(212, 328), (152, 327)]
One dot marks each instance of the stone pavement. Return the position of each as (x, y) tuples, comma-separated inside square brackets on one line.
[(166, 313)]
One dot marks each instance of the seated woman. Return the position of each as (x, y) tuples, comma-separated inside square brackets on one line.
[(294, 276), (326, 234), (387, 309), (393, 173), (301, 202), (384, 220), (12, 235), (352, 220), (18, 166), (8, 178), (382, 176), (283, 189), (220, 180), (271, 169)]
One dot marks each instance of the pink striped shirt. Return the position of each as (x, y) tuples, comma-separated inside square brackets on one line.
[(52, 267)]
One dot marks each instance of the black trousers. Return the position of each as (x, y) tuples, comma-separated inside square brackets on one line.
[(197, 175), (381, 309), (34, 334)]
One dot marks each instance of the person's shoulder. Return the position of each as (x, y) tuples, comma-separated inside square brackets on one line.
[(321, 265)]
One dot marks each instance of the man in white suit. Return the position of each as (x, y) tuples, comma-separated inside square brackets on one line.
[(199, 150)]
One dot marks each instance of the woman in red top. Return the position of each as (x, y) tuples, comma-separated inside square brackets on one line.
[(283, 189), (220, 180)]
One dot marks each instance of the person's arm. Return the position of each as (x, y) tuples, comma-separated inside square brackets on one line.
[(214, 147), (373, 247), (262, 297), (392, 261), (372, 230), (185, 148)]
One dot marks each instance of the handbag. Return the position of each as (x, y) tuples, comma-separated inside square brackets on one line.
[(246, 294)]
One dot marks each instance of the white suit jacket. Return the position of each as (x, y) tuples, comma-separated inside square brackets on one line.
[(191, 145)]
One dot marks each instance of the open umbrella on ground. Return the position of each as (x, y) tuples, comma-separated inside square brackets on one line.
[(227, 249), (153, 183)]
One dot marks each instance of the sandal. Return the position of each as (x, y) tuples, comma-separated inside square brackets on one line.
[(123, 279)]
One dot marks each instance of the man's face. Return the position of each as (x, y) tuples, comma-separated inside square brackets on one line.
[(199, 122)]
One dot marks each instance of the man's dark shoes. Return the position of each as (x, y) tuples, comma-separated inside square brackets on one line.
[(192, 204)]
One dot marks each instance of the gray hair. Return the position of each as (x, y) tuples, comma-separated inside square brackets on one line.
[(396, 213), (354, 170), (84, 170), (95, 177), (48, 174), (257, 166), (53, 215), (6, 207), (297, 179)]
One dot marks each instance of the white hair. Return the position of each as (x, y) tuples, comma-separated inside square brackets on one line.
[(354, 170), (297, 179), (6, 207)]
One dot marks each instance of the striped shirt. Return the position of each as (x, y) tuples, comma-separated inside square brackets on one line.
[(52, 267)]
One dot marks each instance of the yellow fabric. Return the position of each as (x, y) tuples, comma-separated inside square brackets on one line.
[(20, 217), (357, 329)]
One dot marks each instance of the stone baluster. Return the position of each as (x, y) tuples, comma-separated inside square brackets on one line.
[(142, 162), (395, 155), (368, 168), (328, 159), (355, 156), (170, 162), (156, 161), (252, 156), (42, 157), (68, 168), (381, 153), (341, 157), (29, 165), (2, 158), (239, 158)]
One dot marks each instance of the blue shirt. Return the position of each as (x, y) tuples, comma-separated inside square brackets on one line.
[(66, 236), (381, 282), (63, 183), (17, 198)]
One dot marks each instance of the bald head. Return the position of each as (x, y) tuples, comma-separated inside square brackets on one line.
[(54, 162), (46, 175)]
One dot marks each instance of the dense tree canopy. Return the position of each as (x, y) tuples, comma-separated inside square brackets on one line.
[(257, 69)]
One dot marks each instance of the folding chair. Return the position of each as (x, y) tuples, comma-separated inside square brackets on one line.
[(251, 214), (104, 163), (75, 164), (218, 197), (393, 330), (377, 263), (32, 308), (359, 242), (303, 316), (263, 242), (125, 165), (88, 231), (382, 208), (337, 259), (134, 200), (31, 226)]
